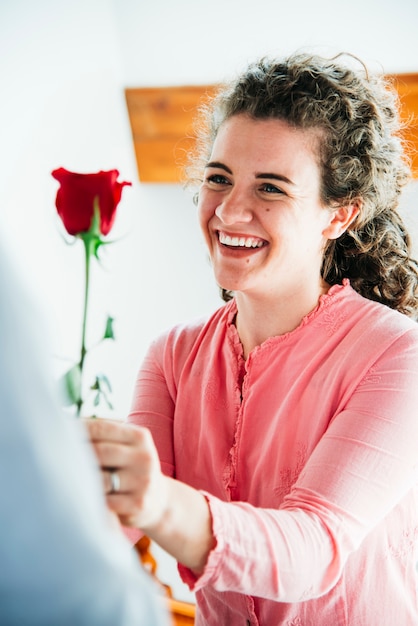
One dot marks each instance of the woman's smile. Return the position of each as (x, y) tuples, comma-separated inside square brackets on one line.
[(240, 242)]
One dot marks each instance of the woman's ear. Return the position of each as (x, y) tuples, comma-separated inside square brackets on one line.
[(340, 220)]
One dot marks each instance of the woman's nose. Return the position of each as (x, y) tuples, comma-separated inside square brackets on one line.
[(233, 209)]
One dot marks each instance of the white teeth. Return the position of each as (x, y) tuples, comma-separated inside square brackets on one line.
[(241, 242)]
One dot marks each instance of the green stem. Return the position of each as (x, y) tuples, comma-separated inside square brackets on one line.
[(88, 250)]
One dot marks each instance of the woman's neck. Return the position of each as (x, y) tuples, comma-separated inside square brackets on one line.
[(260, 318)]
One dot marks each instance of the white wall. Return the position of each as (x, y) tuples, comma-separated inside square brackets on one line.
[(63, 67), (195, 41)]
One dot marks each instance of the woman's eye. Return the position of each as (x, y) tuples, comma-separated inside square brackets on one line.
[(217, 179), (269, 188)]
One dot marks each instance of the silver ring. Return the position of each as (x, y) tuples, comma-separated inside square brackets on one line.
[(114, 481)]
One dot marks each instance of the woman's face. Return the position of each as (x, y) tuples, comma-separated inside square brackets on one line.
[(260, 209)]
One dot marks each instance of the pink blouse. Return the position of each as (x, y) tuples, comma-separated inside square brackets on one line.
[(307, 453)]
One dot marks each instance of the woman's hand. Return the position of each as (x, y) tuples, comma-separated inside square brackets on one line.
[(137, 491), (174, 515)]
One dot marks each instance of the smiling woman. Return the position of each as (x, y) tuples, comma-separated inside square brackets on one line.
[(281, 470), (265, 224)]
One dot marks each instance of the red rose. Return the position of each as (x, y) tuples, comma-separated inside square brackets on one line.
[(76, 195)]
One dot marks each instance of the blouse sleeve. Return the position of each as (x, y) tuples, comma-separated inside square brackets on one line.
[(363, 466), (153, 404)]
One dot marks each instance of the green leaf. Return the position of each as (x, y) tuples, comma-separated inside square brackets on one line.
[(109, 333), (103, 387), (70, 385), (101, 383)]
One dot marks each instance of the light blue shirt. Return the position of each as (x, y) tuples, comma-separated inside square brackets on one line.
[(61, 564)]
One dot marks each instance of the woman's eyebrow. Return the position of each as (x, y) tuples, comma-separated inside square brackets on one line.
[(279, 177), (220, 165)]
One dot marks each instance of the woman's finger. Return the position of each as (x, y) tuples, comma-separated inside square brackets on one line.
[(117, 481), (100, 429), (111, 454)]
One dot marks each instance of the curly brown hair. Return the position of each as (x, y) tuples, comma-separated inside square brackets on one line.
[(361, 154)]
